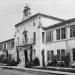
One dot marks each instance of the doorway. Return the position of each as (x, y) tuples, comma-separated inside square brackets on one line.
[(26, 56)]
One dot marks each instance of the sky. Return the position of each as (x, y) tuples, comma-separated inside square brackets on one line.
[(11, 12)]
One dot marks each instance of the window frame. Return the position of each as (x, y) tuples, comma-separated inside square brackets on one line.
[(49, 36), (58, 35), (63, 33), (72, 33)]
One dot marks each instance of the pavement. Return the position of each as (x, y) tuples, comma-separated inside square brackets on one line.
[(30, 70)]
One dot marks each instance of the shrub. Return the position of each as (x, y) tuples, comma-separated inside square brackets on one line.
[(61, 64), (11, 63), (35, 62), (53, 62), (67, 60)]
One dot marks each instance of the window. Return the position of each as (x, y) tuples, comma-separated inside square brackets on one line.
[(43, 36), (4, 46), (50, 55), (62, 54), (33, 23), (72, 31), (1, 47), (74, 54), (18, 40), (58, 55), (34, 37), (17, 31), (58, 34), (12, 44), (63, 33), (49, 36)]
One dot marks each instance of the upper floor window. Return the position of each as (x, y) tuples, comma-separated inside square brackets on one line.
[(4, 46), (72, 31), (49, 36), (58, 34), (33, 23), (43, 36), (17, 31), (63, 33), (1, 46), (18, 41), (12, 44), (34, 37)]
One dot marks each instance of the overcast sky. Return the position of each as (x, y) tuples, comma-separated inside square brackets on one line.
[(11, 12)]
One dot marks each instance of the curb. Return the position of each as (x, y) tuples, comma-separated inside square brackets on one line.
[(38, 71)]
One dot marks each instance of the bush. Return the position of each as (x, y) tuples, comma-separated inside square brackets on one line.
[(29, 64), (11, 63), (67, 60), (53, 62), (35, 62), (60, 64)]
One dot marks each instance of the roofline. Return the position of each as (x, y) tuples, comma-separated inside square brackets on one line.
[(47, 16), (60, 24), (7, 40)]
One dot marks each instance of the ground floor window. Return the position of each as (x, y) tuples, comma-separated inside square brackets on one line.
[(74, 54), (50, 55), (60, 55)]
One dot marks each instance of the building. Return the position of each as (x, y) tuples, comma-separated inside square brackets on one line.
[(30, 36), (7, 48), (42, 36)]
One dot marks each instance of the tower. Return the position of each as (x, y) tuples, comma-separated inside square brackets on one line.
[(26, 12)]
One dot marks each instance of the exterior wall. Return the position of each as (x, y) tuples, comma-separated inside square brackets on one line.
[(8, 47), (48, 22), (30, 29), (28, 26), (68, 44)]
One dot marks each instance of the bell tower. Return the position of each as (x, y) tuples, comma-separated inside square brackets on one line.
[(26, 12)]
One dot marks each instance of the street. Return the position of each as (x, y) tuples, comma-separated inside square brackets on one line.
[(13, 72)]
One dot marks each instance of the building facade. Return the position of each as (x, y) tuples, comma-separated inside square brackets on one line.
[(42, 36), (7, 48), (31, 32)]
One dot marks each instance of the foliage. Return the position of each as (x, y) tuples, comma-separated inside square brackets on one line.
[(7, 60), (35, 62), (67, 60), (53, 62)]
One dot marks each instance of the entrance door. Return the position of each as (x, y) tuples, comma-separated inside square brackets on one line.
[(26, 56)]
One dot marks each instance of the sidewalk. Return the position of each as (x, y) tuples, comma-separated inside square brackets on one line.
[(37, 70)]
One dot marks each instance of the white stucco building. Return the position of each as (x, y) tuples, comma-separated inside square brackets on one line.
[(32, 31), (43, 36), (7, 48)]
